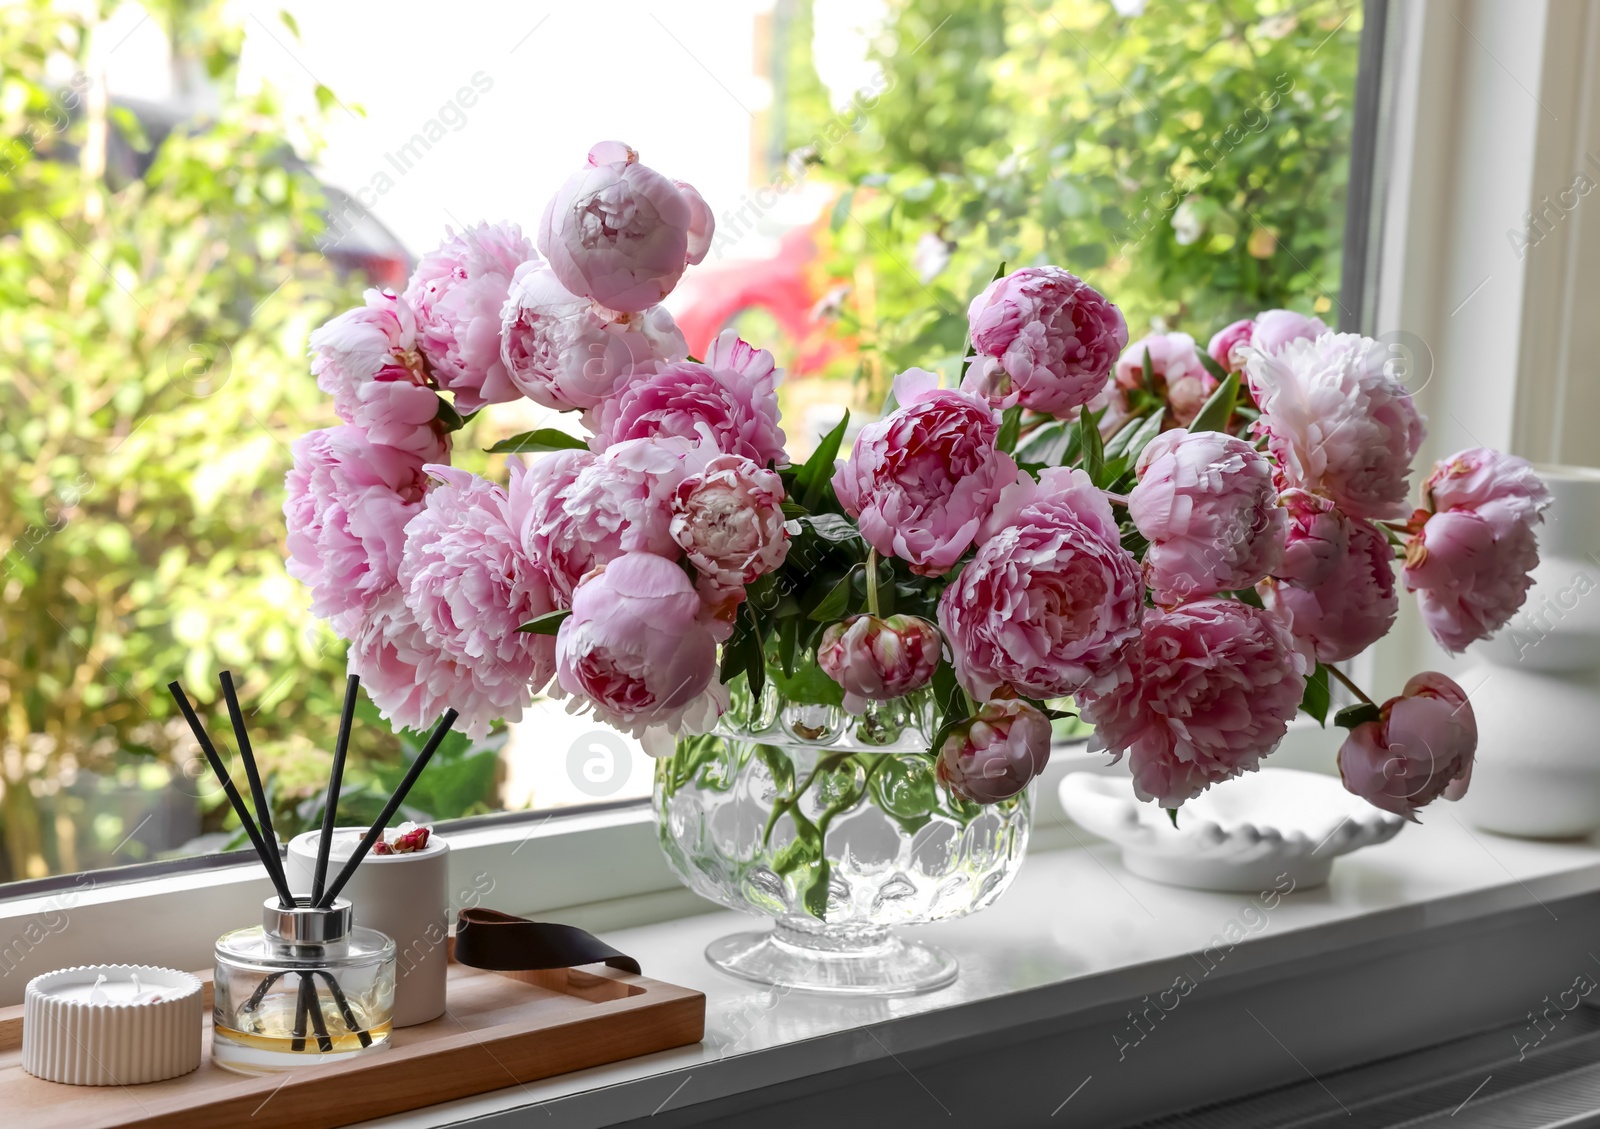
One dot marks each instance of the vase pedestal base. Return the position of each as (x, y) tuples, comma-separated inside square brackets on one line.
[(865, 963)]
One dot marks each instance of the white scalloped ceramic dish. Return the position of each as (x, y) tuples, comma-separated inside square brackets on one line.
[(1239, 836)]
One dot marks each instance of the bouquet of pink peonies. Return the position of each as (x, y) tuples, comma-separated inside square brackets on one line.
[(1178, 543)]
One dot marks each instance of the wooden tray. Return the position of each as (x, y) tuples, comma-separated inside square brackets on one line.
[(502, 1028)]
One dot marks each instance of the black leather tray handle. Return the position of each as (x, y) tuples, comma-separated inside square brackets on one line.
[(503, 942)]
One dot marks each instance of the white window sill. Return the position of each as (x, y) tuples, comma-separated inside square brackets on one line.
[(1077, 942)]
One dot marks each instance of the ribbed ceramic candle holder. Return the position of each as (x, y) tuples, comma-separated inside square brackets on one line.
[(111, 1034)]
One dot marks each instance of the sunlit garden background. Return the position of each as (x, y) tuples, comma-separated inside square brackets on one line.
[(187, 189)]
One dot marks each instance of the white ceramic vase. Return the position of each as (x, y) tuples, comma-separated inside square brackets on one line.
[(405, 896), (1536, 688)]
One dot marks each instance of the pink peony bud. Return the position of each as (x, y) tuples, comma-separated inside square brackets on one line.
[(1206, 503), (920, 481), (877, 658), (1225, 345), (565, 352), (621, 233), (637, 650), (1044, 339), (1420, 747), (1353, 603), (1470, 562), (458, 292), (729, 520), (994, 755)]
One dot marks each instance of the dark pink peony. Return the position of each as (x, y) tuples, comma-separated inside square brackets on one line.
[(469, 586), (1354, 603), (348, 503), (1211, 689), (1051, 599), (729, 403), (993, 756), (921, 481), (621, 233), (878, 659), (1206, 503), (1044, 339), (1469, 563), (566, 353), (458, 292), (1420, 747), (366, 359), (638, 652)]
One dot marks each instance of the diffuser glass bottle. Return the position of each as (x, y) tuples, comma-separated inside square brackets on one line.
[(304, 986)]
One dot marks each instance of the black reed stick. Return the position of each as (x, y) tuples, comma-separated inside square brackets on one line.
[(389, 809), (258, 794), (302, 1006), (330, 805), (230, 791), (319, 1023)]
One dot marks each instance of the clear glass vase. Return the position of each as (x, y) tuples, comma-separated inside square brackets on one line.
[(836, 827)]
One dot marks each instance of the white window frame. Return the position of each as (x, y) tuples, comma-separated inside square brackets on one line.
[(1459, 141)]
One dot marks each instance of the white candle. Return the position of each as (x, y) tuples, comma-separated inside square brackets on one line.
[(143, 1022)]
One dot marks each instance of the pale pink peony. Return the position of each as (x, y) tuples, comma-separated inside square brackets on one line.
[(920, 481), (1206, 503), (621, 233), (577, 511), (1336, 423), (457, 292), (348, 503), (1051, 599), (566, 353), (1470, 561), (993, 756), (366, 359), (1353, 604), (729, 402), (636, 649), (1420, 747), (878, 659), (729, 520), (469, 586), (1044, 339), (1177, 372), (1212, 687), (1273, 329)]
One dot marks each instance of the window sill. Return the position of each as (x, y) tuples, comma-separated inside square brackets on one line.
[(1059, 964)]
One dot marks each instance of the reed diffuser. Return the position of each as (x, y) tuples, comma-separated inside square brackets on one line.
[(306, 985)]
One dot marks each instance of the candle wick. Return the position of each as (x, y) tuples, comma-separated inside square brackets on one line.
[(135, 977), (97, 994)]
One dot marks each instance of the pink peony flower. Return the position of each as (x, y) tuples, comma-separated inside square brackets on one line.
[(1052, 598), (1225, 344), (469, 586), (1336, 423), (729, 520), (1211, 689), (411, 681), (1316, 542), (730, 402), (1112, 401), (994, 755), (565, 352), (366, 359), (577, 511), (1469, 563), (458, 291), (1206, 503), (348, 503), (878, 659), (920, 481), (637, 651), (1353, 604), (1420, 747), (1044, 339), (1177, 372), (1273, 329), (621, 233)]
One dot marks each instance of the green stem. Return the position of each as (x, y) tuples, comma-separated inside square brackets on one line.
[(824, 764), (1349, 685), (872, 582)]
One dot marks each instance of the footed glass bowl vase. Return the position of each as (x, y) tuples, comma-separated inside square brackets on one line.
[(836, 828)]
